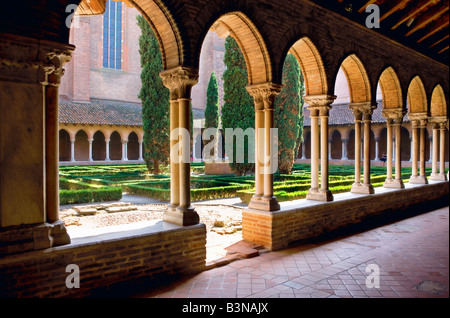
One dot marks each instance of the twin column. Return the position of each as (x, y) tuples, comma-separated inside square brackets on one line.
[(394, 118), (363, 113), (180, 81), (319, 106), (264, 97), (439, 127), (419, 124)]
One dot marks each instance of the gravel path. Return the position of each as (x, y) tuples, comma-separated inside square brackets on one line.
[(223, 221)]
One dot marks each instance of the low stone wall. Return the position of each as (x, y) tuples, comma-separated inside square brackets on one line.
[(218, 168), (137, 255), (305, 220)]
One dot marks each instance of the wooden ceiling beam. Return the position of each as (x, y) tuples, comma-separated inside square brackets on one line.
[(429, 17), (393, 6), (443, 50), (414, 9), (435, 28), (439, 41)]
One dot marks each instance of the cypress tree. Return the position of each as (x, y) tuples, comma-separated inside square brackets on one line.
[(155, 101), (287, 115), (302, 116), (238, 109), (212, 108)]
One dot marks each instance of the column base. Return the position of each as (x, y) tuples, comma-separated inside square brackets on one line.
[(181, 216), (264, 203), (438, 177), (33, 237), (319, 195), (362, 188), (418, 180), (394, 184)]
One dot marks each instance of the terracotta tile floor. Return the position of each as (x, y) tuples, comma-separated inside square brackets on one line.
[(412, 256)]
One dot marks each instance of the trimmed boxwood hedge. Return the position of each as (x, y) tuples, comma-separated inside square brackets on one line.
[(75, 191)]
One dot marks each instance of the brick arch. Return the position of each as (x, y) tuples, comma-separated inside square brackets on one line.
[(251, 42), (417, 97), (166, 30), (391, 90), (438, 104), (312, 66), (357, 79)]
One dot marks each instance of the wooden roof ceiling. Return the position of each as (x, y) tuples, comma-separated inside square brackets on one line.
[(422, 25)]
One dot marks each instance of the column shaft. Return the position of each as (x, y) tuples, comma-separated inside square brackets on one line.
[(415, 150), (422, 153), (357, 151), (442, 152), (314, 150), (389, 150), (435, 155), (259, 153), (174, 164), (398, 152), (367, 129), (185, 165)]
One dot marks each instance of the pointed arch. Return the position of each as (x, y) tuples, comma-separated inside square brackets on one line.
[(391, 90), (312, 66), (438, 104), (357, 79), (417, 97), (251, 42)]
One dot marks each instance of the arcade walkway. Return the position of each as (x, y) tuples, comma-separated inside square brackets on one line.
[(412, 256)]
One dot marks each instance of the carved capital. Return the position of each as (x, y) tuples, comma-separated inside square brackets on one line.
[(32, 61), (264, 95), (180, 81), (396, 114), (319, 101), (363, 110), (418, 120)]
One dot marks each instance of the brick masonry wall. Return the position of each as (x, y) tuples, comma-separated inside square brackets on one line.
[(104, 263), (277, 230)]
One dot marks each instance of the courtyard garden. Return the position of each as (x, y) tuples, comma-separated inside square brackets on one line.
[(85, 184)]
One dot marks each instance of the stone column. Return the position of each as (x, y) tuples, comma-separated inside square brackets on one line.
[(180, 81), (319, 106), (394, 118), (265, 160), (411, 147), (422, 166), (303, 151), (418, 123), (358, 117), (344, 149), (72, 149), (90, 140), (30, 72), (430, 139), (434, 171), (362, 112), (141, 142), (124, 150), (59, 233), (377, 148), (414, 150), (329, 149), (442, 129), (107, 158)]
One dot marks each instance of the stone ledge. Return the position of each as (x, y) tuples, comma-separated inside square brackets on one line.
[(305, 220), (106, 258)]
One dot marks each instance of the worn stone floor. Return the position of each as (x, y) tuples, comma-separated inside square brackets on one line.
[(405, 259)]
